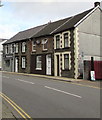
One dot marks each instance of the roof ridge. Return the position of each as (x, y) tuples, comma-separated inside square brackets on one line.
[(41, 29), (62, 25), (32, 28)]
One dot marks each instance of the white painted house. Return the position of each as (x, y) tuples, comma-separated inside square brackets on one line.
[(1, 50)]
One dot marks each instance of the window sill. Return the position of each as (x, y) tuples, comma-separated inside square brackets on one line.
[(23, 68), (66, 69), (33, 51), (44, 50), (38, 69)]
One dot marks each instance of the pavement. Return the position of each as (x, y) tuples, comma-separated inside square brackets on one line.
[(7, 113)]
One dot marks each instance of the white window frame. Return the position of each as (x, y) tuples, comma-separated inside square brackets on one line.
[(6, 49), (37, 62), (11, 50), (44, 42), (23, 47), (24, 62), (33, 46), (63, 44), (63, 60), (16, 48), (55, 40)]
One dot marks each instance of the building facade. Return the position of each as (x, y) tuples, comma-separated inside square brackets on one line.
[(1, 51), (76, 43), (60, 48)]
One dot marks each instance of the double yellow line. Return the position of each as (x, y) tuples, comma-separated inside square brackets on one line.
[(16, 107)]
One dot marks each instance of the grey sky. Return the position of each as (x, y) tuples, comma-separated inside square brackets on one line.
[(23, 15)]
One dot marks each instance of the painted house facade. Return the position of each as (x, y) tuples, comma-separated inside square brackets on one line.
[(1, 51), (76, 43)]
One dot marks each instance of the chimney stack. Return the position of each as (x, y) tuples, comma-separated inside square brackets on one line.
[(96, 4)]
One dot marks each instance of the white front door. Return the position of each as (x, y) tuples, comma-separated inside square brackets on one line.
[(48, 64), (16, 64)]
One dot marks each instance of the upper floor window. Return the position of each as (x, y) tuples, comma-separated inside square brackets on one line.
[(44, 43), (6, 49), (16, 48), (33, 46), (57, 41), (38, 63), (66, 39), (23, 47), (11, 50)]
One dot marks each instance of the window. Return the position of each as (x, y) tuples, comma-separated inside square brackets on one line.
[(11, 50), (66, 40), (23, 47), (6, 49), (57, 41), (44, 43), (23, 62), (16, 48), (33, 46), (7, 62), (66, 61), (38, 63)]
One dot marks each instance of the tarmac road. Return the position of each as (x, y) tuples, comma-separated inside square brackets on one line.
[(46, 98)]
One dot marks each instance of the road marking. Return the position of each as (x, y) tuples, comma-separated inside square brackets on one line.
[(5, 76), (63, 92), (25, 81), (16, 107)]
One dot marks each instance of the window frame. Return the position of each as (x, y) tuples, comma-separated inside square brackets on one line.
[(33, 45), (45, 42), (16, 48), (37, 62), (23, 60), (6, 49), (63, 39), (23, 45), (66, 58), (11, 50), (58, 41), (63, 61)]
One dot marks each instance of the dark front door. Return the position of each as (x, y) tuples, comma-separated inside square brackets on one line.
[(58, 65)]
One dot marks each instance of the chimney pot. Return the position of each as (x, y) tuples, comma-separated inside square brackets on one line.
[(96, 4)]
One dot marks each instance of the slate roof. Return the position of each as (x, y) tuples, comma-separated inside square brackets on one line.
[(26, 34), (62, 25), (50, 28), (72, 21)]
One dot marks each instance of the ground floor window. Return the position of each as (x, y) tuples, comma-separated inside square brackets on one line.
[(7, 62), (23, 62), (38, 63), (66, 61)]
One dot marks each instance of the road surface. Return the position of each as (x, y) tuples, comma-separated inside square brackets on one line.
[(46, 98)]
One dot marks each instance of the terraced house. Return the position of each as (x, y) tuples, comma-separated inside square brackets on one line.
[(60, 48), (77, 42)]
